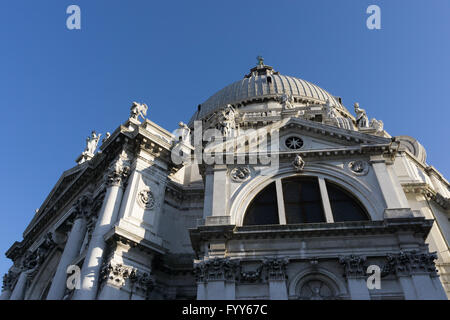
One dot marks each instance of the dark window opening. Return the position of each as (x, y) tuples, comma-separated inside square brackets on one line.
[(269, 80), (344, 206), (302, 200), (264, 208)]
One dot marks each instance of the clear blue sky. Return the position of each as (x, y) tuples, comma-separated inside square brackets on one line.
[(56, 85)]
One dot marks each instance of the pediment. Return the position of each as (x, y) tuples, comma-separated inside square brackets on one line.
[(64, 182), (314, 136)]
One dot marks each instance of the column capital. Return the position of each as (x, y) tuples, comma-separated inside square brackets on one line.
[(220, 269), (117, 174), (276, 268), (116, 274), (354, 266), (406, 263)]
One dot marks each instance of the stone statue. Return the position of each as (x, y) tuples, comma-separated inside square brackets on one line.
[(361, 117), (229, 121), (330, 113), (287, 101), (92, 142), (185, 132), (106, 137), (377, 125), (137, 110)]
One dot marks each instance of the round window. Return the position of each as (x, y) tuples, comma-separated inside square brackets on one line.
[(294, 143)]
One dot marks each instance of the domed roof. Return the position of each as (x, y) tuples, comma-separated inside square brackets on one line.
[(263, 83)]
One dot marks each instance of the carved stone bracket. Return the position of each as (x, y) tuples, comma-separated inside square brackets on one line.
[(276, 268), (353, 266), (406, 263), (216, 269)]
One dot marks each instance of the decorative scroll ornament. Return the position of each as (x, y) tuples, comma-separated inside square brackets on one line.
[(353, 265), (358, 167), (216, 269), (240, 174), (146, 199), (298, 163)]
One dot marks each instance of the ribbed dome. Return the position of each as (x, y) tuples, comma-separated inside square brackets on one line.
[(264, 83)]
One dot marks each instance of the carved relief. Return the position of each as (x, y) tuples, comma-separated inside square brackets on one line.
[(251, 275), (240, 174), (358, 167), (298, 163), (146, 199)]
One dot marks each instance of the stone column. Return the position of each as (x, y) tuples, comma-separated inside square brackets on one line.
[(355, 273), (19, 290), (276, 273), (107, 216), (71, 249)]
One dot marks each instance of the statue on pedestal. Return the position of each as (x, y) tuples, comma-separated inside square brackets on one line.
[(361, 117), (137, 110)]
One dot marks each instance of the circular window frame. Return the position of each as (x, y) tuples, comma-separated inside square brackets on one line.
[(285, 147)]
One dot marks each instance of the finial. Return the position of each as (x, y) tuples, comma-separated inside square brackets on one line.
[(260, 60)]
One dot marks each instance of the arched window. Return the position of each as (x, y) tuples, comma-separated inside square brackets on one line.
[(302, 202), (263, 209), (344, 206)]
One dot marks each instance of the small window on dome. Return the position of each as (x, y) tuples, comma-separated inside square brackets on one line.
[(269, 80)]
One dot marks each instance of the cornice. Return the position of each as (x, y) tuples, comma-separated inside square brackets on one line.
[(418, 225)]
